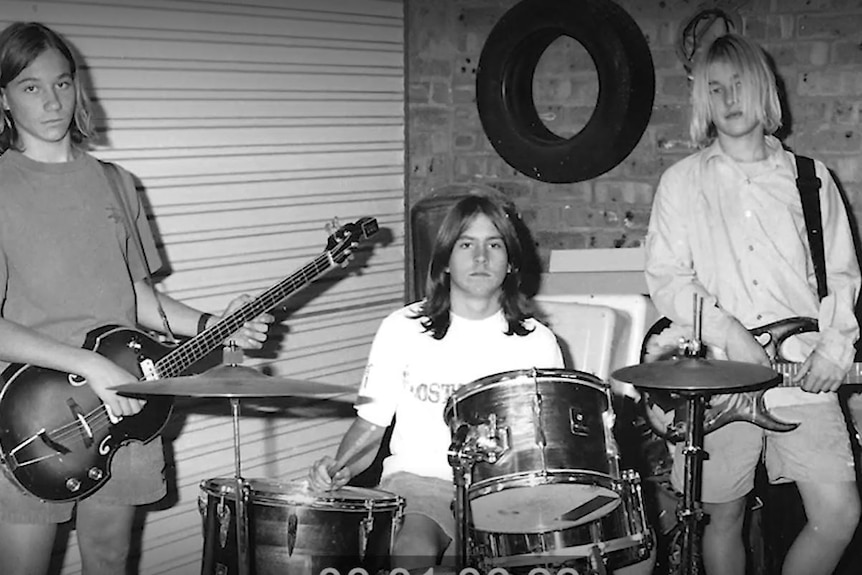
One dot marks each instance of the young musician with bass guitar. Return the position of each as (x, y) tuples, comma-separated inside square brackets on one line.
[(68, 265)]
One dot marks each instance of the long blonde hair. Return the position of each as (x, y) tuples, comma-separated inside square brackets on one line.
[(759, 90)]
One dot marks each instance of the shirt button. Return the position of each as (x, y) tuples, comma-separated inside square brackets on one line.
[(747, 213), (755, 282), (751, 248), (759, 316)]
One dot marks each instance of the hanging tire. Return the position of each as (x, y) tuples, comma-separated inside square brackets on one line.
[(504, 88)]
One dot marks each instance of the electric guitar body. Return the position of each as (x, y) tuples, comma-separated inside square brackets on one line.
[(662, 408)]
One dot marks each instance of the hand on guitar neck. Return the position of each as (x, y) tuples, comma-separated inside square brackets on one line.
[(101, 374)]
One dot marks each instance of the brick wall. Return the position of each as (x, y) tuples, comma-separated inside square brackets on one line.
[(816, 44)]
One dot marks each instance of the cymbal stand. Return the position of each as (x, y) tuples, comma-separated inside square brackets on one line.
[(691, 513), (241, 497), (233, 357)]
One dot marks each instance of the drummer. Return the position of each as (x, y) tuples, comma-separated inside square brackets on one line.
[(474, 322)]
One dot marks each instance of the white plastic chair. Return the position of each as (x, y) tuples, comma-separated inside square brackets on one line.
[(585, 332)]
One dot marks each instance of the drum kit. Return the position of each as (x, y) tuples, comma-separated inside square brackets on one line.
[(260, 526), (537, 477), (536, 467)]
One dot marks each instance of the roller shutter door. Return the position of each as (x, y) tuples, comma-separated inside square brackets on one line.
[(250, 124)]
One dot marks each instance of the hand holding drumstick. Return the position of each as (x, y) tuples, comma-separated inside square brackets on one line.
[(355, 454)]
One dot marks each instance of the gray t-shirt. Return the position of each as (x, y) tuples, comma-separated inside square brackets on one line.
[(67, 261)]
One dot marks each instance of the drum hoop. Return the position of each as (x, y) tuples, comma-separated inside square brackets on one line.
[(386, 501), (635, 541), (539, 478), (331, 503), (490, 381)]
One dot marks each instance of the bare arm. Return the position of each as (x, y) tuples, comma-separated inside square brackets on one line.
[(356, 453), (19, 344), (183, 319)]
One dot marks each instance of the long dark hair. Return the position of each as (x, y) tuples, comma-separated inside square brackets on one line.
[(435, 310), (20, 44)]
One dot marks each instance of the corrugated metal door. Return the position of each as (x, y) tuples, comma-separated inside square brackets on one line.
[(250, 125)]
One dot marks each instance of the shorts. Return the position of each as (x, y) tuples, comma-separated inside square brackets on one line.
[(429, 496), (818, 450), (137, 478)]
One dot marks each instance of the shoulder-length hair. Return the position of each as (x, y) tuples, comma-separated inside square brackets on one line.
[(435, 311), (759, 89), (20, 44)]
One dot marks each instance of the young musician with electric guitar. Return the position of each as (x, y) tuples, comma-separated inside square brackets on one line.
[(70, 263), (727, 225)]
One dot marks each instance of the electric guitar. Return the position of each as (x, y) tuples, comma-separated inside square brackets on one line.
[(56, 439), (661, 343)]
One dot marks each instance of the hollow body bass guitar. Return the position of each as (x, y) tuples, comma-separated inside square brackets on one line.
[(56, 439)]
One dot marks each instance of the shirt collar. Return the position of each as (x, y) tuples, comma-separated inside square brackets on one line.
[(774, 150)]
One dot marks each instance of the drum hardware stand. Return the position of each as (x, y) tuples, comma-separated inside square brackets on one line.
[(598, 561), (470, 445), (695, 378), (690, 514), (233, 356)]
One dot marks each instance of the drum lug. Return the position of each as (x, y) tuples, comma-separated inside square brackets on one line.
[(202, 507), (577, 423), (223, 514), (492, 441), (396, 522), (538, 428), (365, 529), (292, 527)]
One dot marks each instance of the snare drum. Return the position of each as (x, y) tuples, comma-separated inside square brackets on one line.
[(548, 457), (619, 539), (292, 530)]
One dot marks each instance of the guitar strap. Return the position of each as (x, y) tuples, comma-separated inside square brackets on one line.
[(116, 182), (809, 192)]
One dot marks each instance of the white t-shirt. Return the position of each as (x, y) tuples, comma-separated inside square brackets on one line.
[(411, 375)]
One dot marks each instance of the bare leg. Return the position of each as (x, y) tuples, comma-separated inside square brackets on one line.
[(833, 513), (104, 536), (723, 547), (25, 549), (419, 543)]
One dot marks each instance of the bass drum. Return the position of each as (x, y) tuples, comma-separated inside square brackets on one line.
[(291, 530), (549, 460)]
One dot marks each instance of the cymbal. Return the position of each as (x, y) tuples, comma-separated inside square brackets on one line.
[(230, 381), (693, 374)]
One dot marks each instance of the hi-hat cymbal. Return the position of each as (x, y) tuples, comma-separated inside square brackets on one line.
[(693, 374), (231, 381)]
